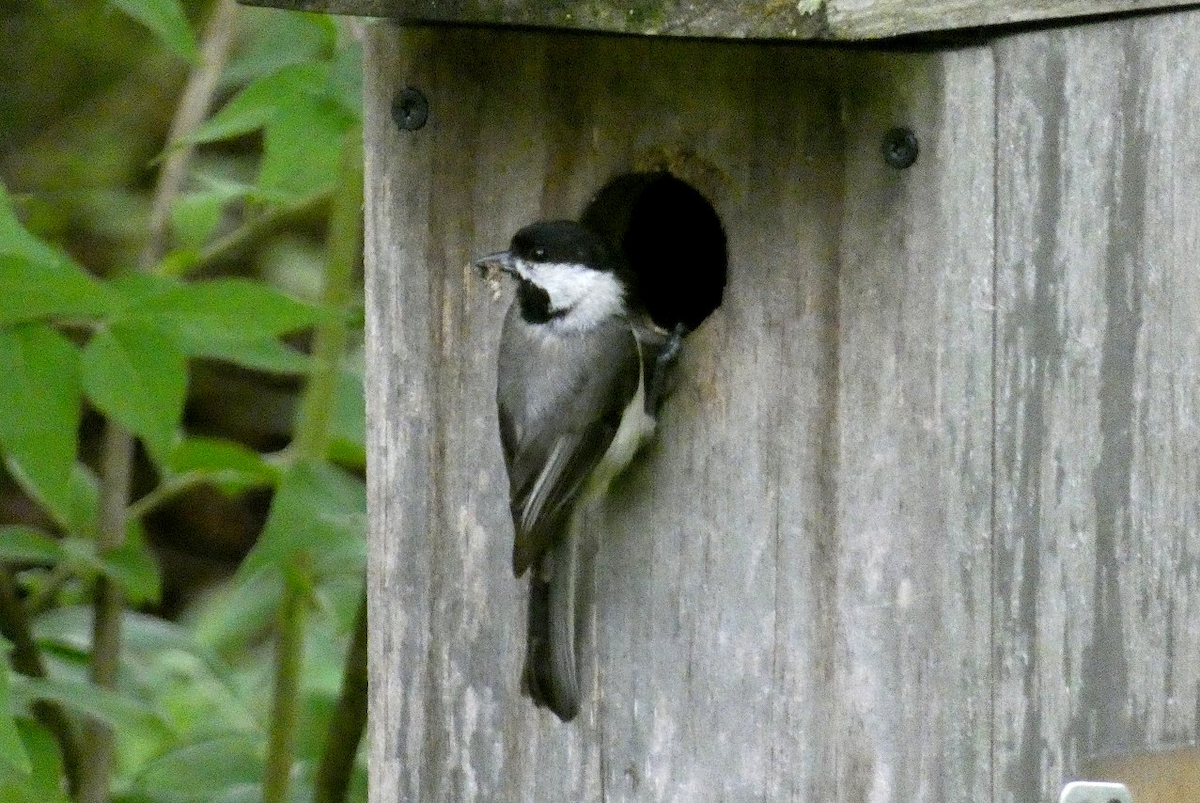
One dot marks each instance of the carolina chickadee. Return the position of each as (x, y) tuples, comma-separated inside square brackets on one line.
[(580, 375)]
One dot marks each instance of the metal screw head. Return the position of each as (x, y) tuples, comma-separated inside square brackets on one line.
[(410, 109), (900, 147)]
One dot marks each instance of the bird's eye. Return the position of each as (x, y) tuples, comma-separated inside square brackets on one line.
[(539, 254)]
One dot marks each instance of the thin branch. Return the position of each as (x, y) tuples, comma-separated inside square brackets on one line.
[(349, 719), (252, 231), (285, 704), (329, 343), (165, 492), (27, 659), (170, 489), (193, 107), (116, 477)]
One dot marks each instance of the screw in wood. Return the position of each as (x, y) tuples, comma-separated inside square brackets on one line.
[(900, 147), (410, 109)]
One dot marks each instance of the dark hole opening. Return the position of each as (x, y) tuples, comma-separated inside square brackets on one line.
[(672, 239)]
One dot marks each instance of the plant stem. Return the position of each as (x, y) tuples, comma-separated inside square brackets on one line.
[(286, 702), (311, 443), (170, 489), (26, 659), (116, 477), (349, 720), (189, 114), (345, 251), (252, 231)]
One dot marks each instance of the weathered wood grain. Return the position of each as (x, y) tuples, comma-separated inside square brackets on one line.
[(766, 583), (872, 19), (746, 19), (915, 424), (1098, 397)]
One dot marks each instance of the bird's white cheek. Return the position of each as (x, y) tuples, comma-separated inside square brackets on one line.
[(589, 296)]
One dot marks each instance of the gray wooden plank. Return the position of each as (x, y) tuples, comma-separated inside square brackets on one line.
[(871, 19), (1098, 446), (401, 400), (715, 18), (776, 616), (845, 20), (915, 402)]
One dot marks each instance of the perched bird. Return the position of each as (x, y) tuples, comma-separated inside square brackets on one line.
[(578, 385)]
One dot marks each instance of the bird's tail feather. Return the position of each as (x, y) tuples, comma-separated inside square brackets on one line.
[(551, 677)]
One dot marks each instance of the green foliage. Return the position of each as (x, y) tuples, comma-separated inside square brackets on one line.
[(39, 411), (19, 544), (137, 376), (166, 20), (203, 770), (85, 336), (303, 109), (13, 757), (41, 782), (42, 288), (317, 518)]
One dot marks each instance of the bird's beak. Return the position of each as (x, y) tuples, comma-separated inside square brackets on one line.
[(501, 260)]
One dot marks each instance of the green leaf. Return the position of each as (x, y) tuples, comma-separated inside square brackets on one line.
[(348, 425), (302, 148), (257, 104), (84, 515), (132, 566), (43, 784), (230, 465), (225, 309), (80, 555), (111, 707), (260, 354), (16, 240), (40, 412), (279, 40), (135, 289), (196, 216), (28, 545), (136, 375), (70, 629), (166, 19), (319, 511), (12, 749), (203, 770), (248, 793), (232, 618), (31, 289)]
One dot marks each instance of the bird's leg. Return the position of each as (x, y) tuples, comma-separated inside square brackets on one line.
[(667, 356)]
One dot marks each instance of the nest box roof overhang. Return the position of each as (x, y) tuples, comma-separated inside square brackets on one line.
[(830, 20)]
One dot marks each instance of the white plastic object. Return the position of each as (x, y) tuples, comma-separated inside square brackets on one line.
[(1095, 792)]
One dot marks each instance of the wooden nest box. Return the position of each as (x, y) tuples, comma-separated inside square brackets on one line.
[(922, 522)]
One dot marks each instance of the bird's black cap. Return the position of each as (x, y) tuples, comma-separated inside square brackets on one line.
[(563, 241)]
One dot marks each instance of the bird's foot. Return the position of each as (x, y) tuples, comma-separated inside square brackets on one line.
[(667, 356)]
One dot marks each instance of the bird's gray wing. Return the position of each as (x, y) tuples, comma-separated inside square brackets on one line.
[(557, 424)]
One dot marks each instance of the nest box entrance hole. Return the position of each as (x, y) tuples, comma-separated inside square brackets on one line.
[(672, 239)]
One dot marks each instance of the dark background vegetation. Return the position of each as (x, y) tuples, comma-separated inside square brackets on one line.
[(181, 418)]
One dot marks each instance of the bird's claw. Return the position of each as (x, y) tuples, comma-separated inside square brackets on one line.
[(667, 356), (670, 350)]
